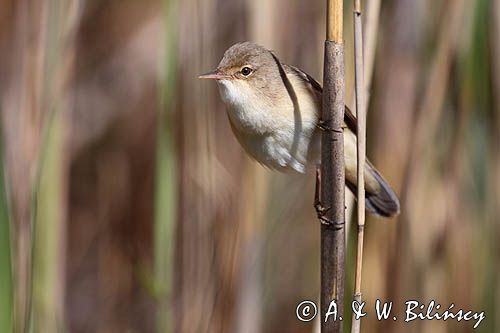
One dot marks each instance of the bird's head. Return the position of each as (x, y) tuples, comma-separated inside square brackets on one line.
[(247, 70)]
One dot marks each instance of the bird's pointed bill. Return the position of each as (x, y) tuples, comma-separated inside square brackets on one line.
[(215, 75)]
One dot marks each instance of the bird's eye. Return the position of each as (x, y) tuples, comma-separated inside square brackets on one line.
[(246, 71)]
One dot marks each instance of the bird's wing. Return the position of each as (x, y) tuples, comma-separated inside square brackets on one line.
[(380, 198), (349, 118)]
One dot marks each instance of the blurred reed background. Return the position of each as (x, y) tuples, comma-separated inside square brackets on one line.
[(126, 204)]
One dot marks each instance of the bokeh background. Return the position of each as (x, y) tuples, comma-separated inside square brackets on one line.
[(127, 205)]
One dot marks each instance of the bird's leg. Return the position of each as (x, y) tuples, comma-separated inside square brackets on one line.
[(317, 190), (320, 210)]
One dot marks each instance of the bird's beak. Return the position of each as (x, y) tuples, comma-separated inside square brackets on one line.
[(215, 75)]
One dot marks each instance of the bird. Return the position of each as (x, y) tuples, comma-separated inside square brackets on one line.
[(274, 112)]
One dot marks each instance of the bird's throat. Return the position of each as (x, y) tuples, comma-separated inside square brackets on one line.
[(248, 110)]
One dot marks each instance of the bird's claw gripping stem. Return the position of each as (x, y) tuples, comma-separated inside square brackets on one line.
[(322, 126), (320, 209)]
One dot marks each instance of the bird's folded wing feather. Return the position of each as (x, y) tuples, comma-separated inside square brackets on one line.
[(349, 118)]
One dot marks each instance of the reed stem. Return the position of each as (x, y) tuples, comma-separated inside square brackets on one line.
[(332, 173), (361, 153)]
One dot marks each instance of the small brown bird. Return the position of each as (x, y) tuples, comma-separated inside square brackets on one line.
[(280, 130)]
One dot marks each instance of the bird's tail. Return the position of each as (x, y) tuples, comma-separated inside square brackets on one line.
[(382, 201)]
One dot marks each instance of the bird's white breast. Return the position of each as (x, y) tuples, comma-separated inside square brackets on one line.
[(271, 131), (248, 111)]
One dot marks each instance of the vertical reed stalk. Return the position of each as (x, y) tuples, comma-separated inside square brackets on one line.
[(332, 171), (50, 188), (6, 282), (49, 229), (361, 152), (370, 35), (165, 203)]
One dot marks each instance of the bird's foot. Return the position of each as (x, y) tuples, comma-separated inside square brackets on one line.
[(322, 126), (320, 209), (321, 213)]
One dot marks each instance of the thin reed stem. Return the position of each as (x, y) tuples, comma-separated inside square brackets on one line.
[(370, 36), (361, 152), (165, 201)]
